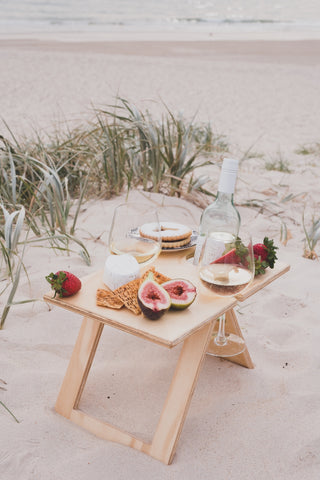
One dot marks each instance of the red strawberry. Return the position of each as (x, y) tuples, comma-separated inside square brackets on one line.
[(266, 252), (260, 251), (239, 254), (64, 283), (229, 257)]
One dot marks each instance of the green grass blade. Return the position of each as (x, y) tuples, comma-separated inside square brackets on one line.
[(9, 411)]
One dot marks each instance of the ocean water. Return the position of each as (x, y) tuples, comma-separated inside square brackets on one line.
[(159, 15)]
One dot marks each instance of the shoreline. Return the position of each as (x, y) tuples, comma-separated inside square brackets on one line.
[(158, 35), (297, 52)]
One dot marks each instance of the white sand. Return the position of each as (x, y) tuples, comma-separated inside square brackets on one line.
[(242, 424), (262, 93)]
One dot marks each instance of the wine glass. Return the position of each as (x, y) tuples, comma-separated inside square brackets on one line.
[(226, 268), (125, 238)]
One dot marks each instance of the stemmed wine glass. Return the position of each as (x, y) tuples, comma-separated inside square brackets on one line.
[(124, 236), (226, 268)]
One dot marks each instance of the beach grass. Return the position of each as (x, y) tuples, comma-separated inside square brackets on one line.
[(309, 149), (2, 382), (278, 163), (124, 147), (160, 155), (312, 236), (9, 411)]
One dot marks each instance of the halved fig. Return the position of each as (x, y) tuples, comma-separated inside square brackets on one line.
[(182, 292), (153, 300)]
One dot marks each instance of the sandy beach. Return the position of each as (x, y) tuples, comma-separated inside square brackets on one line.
[(261, 93), (242, 424)]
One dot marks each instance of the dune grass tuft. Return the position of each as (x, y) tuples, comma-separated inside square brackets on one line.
[(309, 149), (312, 236), (278, 163)]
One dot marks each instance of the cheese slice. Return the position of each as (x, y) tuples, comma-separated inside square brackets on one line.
[(120, 269)]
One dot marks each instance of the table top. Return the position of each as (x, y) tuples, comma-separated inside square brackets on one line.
[(175, 326)]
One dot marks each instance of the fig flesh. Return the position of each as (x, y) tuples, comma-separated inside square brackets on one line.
[(182, 292), (153, 300)]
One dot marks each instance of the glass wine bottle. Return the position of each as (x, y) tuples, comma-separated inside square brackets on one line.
[(221, 219)]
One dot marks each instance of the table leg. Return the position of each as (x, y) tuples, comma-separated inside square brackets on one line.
[(232, 326), (176, 406), (79, 366)]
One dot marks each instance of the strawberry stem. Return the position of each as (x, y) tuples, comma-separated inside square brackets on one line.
[(56, 282)]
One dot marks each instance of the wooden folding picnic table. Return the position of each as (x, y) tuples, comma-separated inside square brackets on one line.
[(193, 327)]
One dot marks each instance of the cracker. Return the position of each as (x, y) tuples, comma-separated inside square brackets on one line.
[(159, 277), (178, 243), (128, 293), (106, 298)]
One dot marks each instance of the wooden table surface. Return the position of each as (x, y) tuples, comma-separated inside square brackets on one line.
[(175, 326)]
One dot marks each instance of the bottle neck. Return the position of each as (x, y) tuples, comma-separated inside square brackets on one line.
[(223, 197), (220, 216), (227, 180)]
